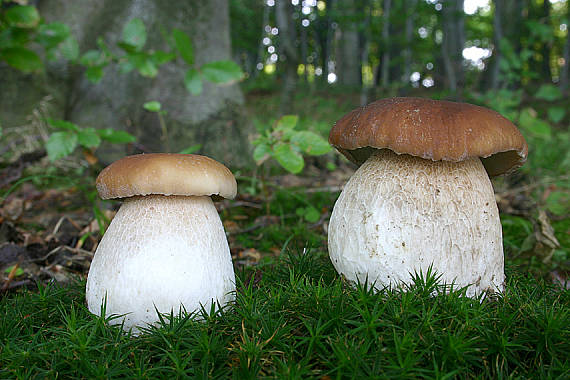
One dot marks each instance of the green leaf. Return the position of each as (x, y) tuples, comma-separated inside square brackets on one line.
[(556, 114), (152, 106), (558, 202), (91, 58), (61, 144), (22, 59), (116, 137), (311, 143), (191, 149), (287, 122), (126, 67), (193, 82), (127, 47), (529, 122), (291, 160), (94, 73), (22, 16), (261, 153), (144, 64), (548, 92), (51, 35), (134, 33), (184, 46), (221, 72), (70, 49), (88, 138), (17, 273), (63, 124), (312, 215), (161, 57)]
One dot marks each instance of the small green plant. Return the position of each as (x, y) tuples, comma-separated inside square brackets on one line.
[(147, 63), (70, 136), (286, 145), (155, 107), (22, 28)]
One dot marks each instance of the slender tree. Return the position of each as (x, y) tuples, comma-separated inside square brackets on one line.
[(453, 43), (565, 70), (348, 59), (288, 52), (385, 74), (495, 64), (410, 6), (365, 37)]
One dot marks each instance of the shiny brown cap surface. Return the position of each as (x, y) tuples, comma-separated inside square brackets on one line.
[(166, 174), (431, 129)]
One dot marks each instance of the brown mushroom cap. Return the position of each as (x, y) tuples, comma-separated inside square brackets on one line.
[(165, 174), (431, 129)]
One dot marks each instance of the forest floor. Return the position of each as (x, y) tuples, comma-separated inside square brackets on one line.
[(294, 316)]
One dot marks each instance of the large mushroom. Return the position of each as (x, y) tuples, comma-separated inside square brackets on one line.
[(422, 195), (166, 248)]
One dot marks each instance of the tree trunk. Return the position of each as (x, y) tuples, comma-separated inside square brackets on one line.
[(213, 119), (288, 52), (261, 47), (507, 22), (565, 69), (545, 50), (385, 71), (304, 48), (452, 44), (328, 48), (494, 69), (365, 52), (410, 6), (349, 69)]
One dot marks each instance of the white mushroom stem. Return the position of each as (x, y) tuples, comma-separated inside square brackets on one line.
[(168, 252), (399, 214)]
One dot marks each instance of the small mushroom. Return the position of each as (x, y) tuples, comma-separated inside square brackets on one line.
[(422, 195), (166, 248)]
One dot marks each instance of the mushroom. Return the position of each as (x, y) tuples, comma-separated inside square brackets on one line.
[(422, 196), (165, 250)]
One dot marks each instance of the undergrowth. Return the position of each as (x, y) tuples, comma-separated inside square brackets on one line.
[(296, 318)]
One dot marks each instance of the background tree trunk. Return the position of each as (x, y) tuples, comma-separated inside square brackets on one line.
[(495, 63), (452, 44), (288, 52), (410, 6), (385, 73), (565, 69), (365, 37), (213, 119), (348, 59)]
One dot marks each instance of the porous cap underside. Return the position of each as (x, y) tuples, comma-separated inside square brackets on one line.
[(431, 129), (165, 174)]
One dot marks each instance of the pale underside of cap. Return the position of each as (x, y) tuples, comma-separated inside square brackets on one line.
[(431, 129), (166, 174)]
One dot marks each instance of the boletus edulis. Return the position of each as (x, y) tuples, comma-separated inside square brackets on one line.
[(422, 195), (166, 249)]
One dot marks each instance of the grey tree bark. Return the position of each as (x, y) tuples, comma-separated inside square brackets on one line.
[(565, 69), (507, 26), (385, 76), (288, 52), (348, 59), (494, 70), (410, 21), (365, 38), (452, 44), (213, 119)]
